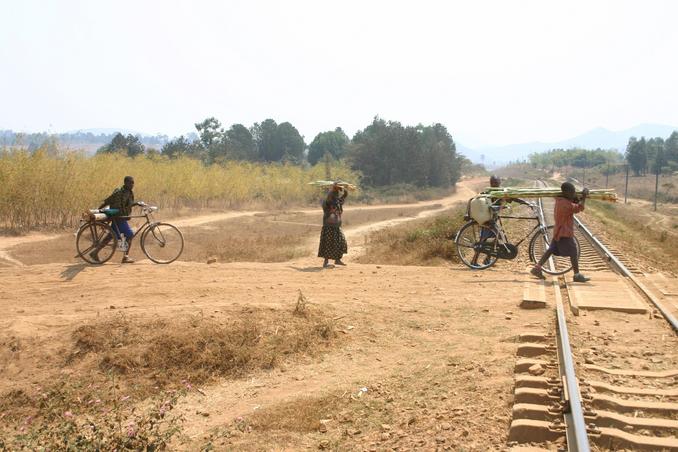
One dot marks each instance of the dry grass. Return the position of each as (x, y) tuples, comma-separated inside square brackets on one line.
[(420, 242), (252, 239), (402, 194), (39, 190), (645, 237)]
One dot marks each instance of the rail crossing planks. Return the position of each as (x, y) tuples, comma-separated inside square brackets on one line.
[(606, 290), (668, 287)]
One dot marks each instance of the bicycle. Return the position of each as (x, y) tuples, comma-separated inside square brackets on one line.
[(162, 243), (479, 246)]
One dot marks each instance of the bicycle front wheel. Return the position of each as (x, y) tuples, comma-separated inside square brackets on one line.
[(540, 243), (162, 243), (95, 242), (477, 245)]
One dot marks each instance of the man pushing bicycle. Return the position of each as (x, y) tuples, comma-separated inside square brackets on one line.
[(120, 203)]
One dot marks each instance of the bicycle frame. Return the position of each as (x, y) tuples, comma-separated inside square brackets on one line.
[(111, 221), (147, 224), (504, 236)]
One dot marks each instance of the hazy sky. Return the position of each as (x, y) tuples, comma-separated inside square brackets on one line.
[(494, 72)]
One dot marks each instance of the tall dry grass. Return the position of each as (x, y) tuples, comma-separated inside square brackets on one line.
[(42, 190)]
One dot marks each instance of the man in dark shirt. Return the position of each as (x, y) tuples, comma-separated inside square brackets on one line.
[(122, 200)]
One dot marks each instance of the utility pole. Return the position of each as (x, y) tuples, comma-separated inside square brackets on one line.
[(658, 163), (583, 182), (583, 178), (656, 186), (626, 186)]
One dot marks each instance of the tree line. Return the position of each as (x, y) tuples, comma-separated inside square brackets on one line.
[(642, 155), (577, 157), (385, 152), (652, 155), (33, 141)]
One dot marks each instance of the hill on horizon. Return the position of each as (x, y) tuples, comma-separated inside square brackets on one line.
[(599, 137)]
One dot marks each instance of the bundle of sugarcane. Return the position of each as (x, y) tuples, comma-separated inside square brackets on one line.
[(548, 192), (329, 183)]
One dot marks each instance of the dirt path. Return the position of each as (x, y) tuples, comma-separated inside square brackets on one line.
[(434, 348), (464, 190)]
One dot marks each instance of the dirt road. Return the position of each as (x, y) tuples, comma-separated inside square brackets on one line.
[(431, 348)]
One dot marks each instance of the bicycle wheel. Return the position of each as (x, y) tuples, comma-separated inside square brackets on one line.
[(477, 245), (162, 243), (538, 246), (95, 239)]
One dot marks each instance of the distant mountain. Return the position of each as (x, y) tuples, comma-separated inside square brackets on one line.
[(108, 131), (595, 138)]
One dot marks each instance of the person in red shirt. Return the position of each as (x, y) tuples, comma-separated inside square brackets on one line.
[(563, 243)]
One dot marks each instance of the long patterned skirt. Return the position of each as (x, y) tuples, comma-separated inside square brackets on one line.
[(332, 243)]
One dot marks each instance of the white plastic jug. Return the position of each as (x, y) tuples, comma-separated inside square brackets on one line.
[(479, 209)]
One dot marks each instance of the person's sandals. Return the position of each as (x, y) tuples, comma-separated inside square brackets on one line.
[(327, 264), (578, 277), (339, 262), (127, 260), (536, 271)]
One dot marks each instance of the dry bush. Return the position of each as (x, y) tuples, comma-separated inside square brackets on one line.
[(40, 190), (198, 349), (116, 363), (421, 242), (299, 415), (301, 309)]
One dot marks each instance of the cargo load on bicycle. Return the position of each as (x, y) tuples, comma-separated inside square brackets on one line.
[(480, 209), (546, 192)]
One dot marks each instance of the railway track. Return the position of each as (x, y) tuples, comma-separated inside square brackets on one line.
[(611, 382)]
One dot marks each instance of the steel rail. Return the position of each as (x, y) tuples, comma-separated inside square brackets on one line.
[(573, 411), (627, 273)]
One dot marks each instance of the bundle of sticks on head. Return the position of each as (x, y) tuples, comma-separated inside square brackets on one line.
[(329, 183), (548, 192)]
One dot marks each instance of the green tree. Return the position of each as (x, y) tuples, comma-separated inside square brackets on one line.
[(129, 145), (658, 157), (240, 143), (388, 153), (332, 142), (290, 143), (266, 139), (671, 150), (178, 147), (212, 139), (636, 155)]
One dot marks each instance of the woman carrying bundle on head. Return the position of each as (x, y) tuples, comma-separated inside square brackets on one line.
[(332, 241)]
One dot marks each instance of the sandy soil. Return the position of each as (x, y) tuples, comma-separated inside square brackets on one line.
[(434, 347)]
